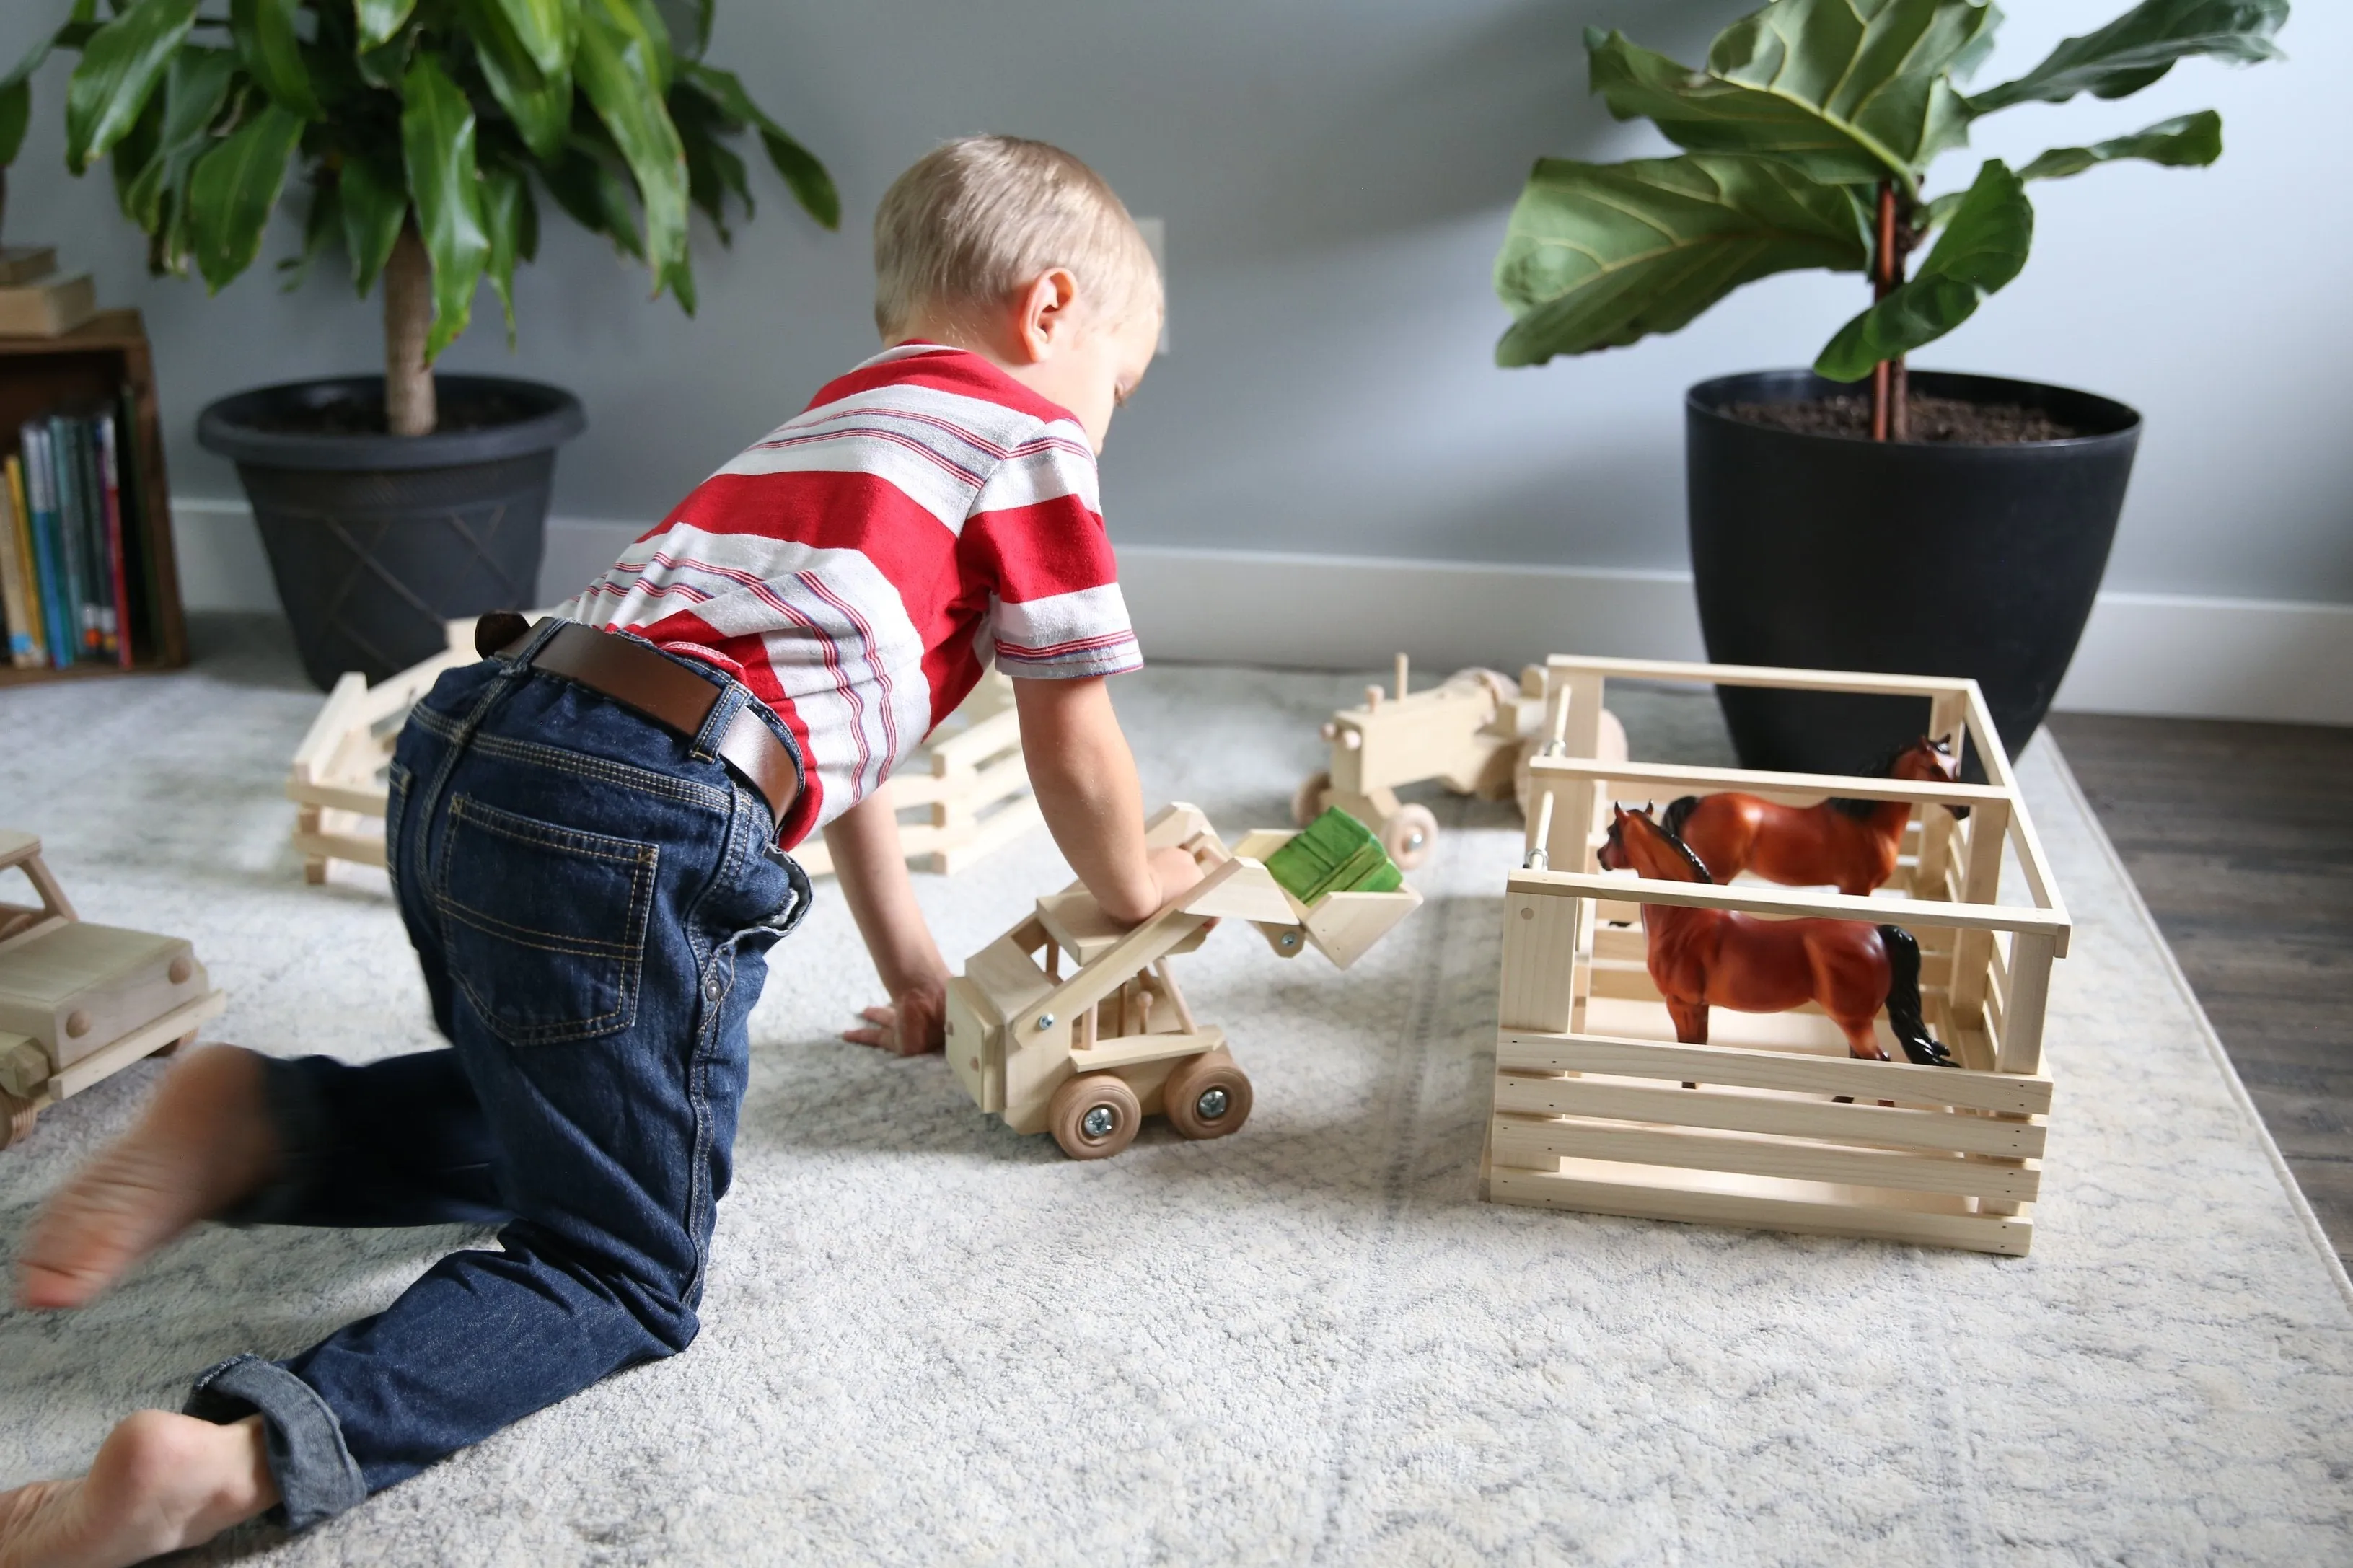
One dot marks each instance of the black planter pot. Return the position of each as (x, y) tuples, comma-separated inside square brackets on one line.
[(1914, 558), (376, 540)]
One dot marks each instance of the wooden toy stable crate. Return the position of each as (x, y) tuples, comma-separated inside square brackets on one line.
[(1783, 1129)]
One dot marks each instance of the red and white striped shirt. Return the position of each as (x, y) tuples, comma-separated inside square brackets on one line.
[(861, 566)]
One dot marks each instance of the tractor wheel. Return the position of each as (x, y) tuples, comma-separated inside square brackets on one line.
[(1409, 836), (1207, 1096), (1307, 805), (1094, 1116), (16, 1118)]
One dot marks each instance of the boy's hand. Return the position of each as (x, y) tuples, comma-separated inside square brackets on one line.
[(1175, 871), (913, 1024)]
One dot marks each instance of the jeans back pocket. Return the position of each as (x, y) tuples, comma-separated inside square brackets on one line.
[(544, 926)]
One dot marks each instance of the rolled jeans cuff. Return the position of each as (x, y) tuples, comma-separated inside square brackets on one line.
[(303, 1442)]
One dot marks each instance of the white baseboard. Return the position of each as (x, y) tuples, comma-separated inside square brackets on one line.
[(2168, 655)]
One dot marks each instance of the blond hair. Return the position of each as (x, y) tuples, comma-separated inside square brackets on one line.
[(978, 218)]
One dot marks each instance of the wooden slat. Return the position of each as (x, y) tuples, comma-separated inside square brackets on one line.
[(1760, 675), (1906, 913), (1540, 937), (338, 798), (1590, 1190), (1799, 788), (976, 744), (352, 846), (334, 717), (2019, 1028), (1748, 1110), (1535, 1145), (1134, 1048), (1525, 1051), (141, 1042)]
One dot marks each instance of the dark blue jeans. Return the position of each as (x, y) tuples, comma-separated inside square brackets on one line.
[(592, 897)]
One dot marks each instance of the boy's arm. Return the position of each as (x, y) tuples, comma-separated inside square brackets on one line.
[(1084, 778), (871, 869)]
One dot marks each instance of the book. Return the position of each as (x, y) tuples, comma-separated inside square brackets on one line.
[(73, 531), (145, 594), (24, 263), (90, 482), (49, 543), (48, 308), (17, 587), (109, 475), (12, 473)]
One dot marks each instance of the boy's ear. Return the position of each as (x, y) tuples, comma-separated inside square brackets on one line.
[(1044, 313)]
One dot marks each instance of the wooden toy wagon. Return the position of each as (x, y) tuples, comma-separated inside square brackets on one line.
[(1600, 1104), (1069, 1025), (81, 1002), (1473, 733), (969, 787)]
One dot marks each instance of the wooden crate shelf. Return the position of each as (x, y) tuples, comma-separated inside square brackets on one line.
[(1781, 1128), (92, 365)]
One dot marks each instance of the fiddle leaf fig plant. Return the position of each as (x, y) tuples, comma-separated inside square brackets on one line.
[(1807, 137), (426, 132)]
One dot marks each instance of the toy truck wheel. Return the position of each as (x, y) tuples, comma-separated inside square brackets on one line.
[(16, 1118), (1094, 1116), (1207, 1097), (1307, 805), (1409, 836)]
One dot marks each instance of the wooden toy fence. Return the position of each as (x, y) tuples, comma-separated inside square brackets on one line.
[(968, 789), (1772, 1124)]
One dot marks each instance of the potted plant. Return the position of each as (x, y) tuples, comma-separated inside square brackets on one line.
[(1940, 524), (426, 130)]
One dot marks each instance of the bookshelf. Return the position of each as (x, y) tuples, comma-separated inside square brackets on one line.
[(91, 365)]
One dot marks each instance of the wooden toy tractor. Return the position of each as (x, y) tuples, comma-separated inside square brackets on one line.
[(81, 1002), (1473, 733), (1069, 1025)]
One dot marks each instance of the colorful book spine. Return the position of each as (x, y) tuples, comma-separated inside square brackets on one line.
[(142, 632), (85, 511), (110, 477), (12, 472), (19, 588), (73, 538), (48, 542)]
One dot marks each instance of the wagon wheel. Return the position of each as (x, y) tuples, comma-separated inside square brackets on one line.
[(1094, 1116), (1207, 1096), (1409, 836), (16, 1118), (1307, 804)]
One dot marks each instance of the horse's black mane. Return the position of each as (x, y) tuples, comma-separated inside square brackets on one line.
[(1861, 810), (1691, 855)]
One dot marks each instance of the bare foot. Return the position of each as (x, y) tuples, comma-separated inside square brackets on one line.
[(160, 1482), (203, 1142)]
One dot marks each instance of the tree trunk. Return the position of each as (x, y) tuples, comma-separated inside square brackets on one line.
[(1890, 391), (409, 403)]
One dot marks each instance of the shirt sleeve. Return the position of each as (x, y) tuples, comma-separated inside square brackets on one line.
[(1035, 541)]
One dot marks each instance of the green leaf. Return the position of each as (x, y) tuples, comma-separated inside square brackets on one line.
[(119, 67), (325, 218), (1601, 254), (2188, 141), (2141, 45), (16, 115), (1981, 250), (437, 139), (135, 153), (545, 30), (380, 20), (374, 205), (588, 189), (713, 170), (195, 90), (807, 178), (538, 100), (513, 224), (688, 24), (263, 34), (621, 70), (233, 189)]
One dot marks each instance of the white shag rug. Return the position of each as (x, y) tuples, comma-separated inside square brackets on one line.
[(927, 1340)]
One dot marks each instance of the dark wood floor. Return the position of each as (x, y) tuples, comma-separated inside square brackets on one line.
[(2240, 838)]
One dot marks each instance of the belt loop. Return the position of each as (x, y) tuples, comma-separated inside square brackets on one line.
[(540, 634), (732, 698)]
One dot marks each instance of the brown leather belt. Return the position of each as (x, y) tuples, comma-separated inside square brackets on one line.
[(657, 686)]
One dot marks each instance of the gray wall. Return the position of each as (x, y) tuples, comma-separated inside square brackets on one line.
[(1334, 175)]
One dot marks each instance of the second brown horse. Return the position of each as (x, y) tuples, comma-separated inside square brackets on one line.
[(1700, 958), (1850, 845)]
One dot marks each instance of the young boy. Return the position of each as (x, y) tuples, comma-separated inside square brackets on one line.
[(586, 837)]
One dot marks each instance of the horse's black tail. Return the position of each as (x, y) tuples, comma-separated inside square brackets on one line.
[(1678, 813), (1904, 1000)]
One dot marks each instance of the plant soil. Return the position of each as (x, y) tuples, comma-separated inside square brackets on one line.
[(461, 410), (1933, 419)]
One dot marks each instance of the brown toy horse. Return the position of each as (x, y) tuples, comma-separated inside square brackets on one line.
[(1848, 844), (1701, 958)]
